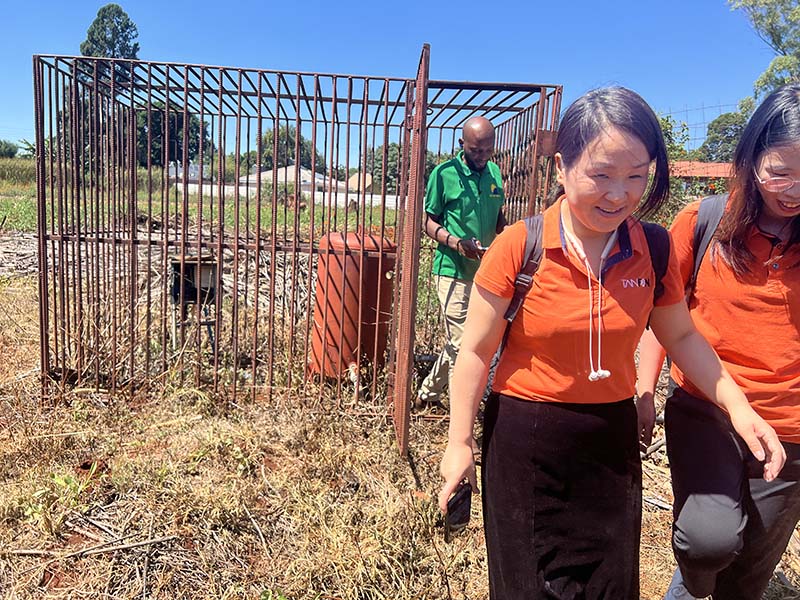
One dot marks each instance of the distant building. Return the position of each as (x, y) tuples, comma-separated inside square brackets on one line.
[(192, 172), (701, 178), (289, 175), (356, 180), (693, 169)]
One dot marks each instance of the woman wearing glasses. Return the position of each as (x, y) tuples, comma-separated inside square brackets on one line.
[(731, 526)]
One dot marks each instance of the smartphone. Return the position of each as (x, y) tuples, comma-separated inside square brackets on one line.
[(458, 510), (481, 249)]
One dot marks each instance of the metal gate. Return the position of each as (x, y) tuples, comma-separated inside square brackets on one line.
[(249, 231)]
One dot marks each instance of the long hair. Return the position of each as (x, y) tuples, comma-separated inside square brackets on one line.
[(774, 124), (598, 111)]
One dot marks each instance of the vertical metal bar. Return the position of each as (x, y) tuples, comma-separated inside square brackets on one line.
[(150, 226), (41, 225), (220, 229), (410, 257), (273, 234), (236, 219), (382, 235), (535, 155), (257, 273), (57, 243), (115, 223), (313, 227), (101, 225), (402, 195), (298, 196), (133, 287), (199, 245), (165, 221), (331, 220), (69, 270)]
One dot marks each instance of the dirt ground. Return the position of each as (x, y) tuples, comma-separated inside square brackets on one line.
[(187, 496)]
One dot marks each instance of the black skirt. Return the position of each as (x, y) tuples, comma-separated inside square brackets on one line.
[(562, 490)]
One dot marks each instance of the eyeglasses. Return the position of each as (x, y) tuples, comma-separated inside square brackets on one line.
[(777, 184)]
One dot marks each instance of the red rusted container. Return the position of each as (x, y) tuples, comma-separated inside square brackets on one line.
[(353, 302)]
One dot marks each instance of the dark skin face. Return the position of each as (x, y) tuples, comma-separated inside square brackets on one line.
[(477, 142)]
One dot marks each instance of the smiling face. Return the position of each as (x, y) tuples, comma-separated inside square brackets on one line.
[(605, 184), (780, 161)]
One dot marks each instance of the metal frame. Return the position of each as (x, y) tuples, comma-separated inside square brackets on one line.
[(122, 223)]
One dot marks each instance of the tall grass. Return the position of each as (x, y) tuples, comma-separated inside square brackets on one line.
[(21, 171)]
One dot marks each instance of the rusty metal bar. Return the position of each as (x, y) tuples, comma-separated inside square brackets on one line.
[(410, 264)]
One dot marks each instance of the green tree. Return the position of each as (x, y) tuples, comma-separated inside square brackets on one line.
[(111, 35), (777, 23), (722, 136), (676, 137), (287, 150), (376, 165), (8, 149), (168, 125)]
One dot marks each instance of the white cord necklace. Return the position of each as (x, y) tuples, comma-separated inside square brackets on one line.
[(577, 247)]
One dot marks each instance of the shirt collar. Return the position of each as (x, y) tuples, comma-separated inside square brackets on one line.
[(630, 235), (465, 167)]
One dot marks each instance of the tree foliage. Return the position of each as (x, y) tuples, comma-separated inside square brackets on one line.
[(377, 164), (8, 149), (168, 126), (777, 23), (111, 35), (722, 135), (676, 137), (287, 151)]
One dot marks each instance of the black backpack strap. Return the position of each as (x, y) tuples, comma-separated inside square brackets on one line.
[(708, 217), (524, 279), (658, 244)]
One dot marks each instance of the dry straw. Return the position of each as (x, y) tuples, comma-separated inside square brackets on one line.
[(186, 496)]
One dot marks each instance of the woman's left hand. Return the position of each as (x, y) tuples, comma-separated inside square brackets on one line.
[(760, 437)]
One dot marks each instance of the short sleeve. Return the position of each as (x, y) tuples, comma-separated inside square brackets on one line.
[(673, 285), (434, 194), (503, 260), (682, 234)]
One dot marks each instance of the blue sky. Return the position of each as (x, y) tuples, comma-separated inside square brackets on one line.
[(678, 54)]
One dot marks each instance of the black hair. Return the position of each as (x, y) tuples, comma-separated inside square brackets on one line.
[(775, 123), (598, 111)]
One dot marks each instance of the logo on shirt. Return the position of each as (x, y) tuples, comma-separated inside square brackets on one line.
[(494, 190), (635, 282)]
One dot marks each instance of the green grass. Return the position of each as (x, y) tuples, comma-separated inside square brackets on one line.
[(18, 213), (289, 221), (17, 206)]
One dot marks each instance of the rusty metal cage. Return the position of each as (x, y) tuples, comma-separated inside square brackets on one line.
[(246, 230)]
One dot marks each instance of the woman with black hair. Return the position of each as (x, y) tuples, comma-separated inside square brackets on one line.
[(561, 473), (732, 524)]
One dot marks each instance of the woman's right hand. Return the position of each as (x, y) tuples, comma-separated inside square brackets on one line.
[(760, 437), (457, 464)]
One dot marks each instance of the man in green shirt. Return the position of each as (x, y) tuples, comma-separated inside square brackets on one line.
[(463, 206)]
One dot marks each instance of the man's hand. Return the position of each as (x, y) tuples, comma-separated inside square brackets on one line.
[(470, 249)]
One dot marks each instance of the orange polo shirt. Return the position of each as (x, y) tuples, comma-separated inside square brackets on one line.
[(547, 356), (753, 324)]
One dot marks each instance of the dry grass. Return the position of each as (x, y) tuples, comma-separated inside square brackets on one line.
[(187, 497)]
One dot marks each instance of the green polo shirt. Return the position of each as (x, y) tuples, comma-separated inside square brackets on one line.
[(467, 204)]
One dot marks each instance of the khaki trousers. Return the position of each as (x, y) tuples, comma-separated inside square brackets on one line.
[(454, 299)]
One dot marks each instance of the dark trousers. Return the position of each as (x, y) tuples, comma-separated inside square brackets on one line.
[(730, 526), (561, 500)]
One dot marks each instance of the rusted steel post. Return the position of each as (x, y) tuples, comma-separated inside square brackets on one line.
[(410, 256)]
